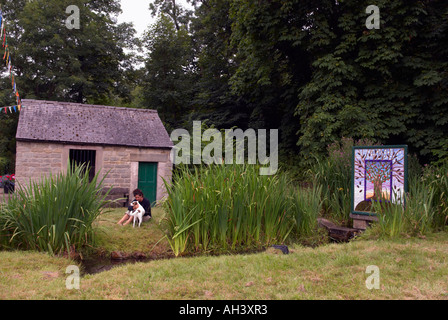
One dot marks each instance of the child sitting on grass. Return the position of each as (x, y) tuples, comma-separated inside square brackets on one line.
[(138, 196)]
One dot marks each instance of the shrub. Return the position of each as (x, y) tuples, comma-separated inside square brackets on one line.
[(55, 214)]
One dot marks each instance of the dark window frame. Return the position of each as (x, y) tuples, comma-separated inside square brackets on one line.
[(84, 156)]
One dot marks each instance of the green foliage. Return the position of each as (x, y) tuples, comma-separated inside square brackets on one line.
[(168, 80), (233, 207), (53, 215), (436, 178), (332, 173), (53, 62), (379, 84), (213, 100), (308, 68), (271, 63)]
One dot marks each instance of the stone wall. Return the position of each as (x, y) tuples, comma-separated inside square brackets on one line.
[(34, 160)]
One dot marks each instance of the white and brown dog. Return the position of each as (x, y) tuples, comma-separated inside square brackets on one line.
[(137, 212)]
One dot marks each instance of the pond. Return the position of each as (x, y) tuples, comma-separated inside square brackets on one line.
[(101, 263), (94, 265)]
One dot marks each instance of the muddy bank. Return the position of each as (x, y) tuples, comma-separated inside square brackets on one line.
[(101, 263)]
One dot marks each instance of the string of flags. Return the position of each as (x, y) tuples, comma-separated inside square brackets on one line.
[(8, 63)]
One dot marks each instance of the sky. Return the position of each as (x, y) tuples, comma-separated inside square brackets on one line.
[(137, 12)]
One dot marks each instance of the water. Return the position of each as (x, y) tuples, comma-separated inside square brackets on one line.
[(100, 264)]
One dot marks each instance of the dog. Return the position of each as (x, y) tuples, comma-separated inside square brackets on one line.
[(137, 212)]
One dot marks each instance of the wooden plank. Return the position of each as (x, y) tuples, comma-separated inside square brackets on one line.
[(338, 233)]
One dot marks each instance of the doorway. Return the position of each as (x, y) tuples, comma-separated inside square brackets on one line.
[(147, 180)]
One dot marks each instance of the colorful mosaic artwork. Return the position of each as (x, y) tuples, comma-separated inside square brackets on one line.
[(379, 174)]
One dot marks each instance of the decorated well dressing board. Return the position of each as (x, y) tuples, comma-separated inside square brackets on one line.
[(379, 173)]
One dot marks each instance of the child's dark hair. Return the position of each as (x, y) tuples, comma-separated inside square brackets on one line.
[(137, 192)]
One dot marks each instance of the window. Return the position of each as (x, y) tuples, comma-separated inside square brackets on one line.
[(86, 157)]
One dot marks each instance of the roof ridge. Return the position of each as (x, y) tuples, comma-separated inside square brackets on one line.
[(76, 104)]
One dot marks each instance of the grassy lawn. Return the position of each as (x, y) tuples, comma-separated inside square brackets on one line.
[(114, 237), (411, 268)]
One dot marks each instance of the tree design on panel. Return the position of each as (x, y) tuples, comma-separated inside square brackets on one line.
[(378, 172)]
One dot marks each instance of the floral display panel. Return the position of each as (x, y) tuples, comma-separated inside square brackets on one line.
[(379, 174)]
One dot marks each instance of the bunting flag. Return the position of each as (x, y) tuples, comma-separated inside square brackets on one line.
[(8, 63)]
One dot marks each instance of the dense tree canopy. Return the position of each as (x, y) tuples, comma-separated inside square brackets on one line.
[(389, 84), (167, 82), (54, 62), (311, 69), (315, 71)]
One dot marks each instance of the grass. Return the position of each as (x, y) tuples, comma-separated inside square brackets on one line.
[(413, 268), (113, 237)]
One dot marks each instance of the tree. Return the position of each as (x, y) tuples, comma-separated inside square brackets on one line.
[(180, 16), (211, 30), (168, 81), (378, 173), (54, 62), (272, 63), (388, 84)]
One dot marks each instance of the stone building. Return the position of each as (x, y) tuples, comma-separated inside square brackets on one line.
[(131, 145)]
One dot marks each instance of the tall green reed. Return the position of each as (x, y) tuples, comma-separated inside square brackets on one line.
[(227, 207), (308, 204), (414, 214), (333, 174), (436, 179), (55, 214)]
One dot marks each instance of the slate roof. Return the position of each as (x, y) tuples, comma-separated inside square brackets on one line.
[(76, 123)]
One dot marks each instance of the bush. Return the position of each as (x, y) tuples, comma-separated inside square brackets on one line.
[(53, 215)]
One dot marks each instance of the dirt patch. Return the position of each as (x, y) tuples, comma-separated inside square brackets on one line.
[(50, 275)]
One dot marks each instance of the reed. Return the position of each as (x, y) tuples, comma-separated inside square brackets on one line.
[(308, 203), (228, 207), (415, 214), (436, 179), (333, 175), (55, 214)]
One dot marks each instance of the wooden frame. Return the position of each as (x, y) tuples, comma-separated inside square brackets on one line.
[(390, 183)]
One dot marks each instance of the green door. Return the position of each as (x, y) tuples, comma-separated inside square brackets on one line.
[(147, 180)]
